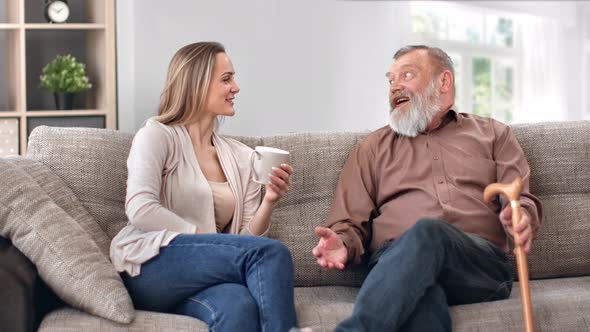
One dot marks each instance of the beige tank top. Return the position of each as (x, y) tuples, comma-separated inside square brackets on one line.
[(223, 203)]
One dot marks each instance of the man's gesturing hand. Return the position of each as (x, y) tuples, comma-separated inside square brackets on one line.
[(330, 251)]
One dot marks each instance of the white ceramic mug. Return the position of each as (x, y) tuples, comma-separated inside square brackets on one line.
[(263, 159)]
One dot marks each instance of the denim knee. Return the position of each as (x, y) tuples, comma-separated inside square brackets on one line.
[(430, 227), (278, 251), (430, 232), (241, 307), (224, 307)]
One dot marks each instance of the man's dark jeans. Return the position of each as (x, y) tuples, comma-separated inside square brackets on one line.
[(414, 279), (24, 297)]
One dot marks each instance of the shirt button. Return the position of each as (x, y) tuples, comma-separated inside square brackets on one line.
[(440, 182), (444, 201), (435, 158)]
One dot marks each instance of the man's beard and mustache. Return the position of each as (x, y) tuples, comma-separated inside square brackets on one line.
[(419, 113)]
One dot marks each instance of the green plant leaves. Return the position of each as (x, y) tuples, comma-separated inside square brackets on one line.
[(65, 74)]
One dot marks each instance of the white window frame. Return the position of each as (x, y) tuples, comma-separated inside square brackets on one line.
[(469, 51)]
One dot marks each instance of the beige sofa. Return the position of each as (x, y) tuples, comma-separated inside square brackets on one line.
[(92, 163)]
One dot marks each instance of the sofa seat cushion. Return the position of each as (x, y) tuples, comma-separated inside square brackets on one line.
[(558, 305), (561, 304), (322, 308), (70, 320)]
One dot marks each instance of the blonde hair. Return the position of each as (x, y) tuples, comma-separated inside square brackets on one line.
[(187, 82)]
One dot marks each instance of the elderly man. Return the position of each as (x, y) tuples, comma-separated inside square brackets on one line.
[(410, 200)]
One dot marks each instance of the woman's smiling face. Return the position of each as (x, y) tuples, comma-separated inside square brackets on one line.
[(222, 87)]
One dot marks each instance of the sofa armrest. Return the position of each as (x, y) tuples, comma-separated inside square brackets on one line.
[(24, 297), (17, 275)]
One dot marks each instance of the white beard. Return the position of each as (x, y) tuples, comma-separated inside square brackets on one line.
[(422, 109)]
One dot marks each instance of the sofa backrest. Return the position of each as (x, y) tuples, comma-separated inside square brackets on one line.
[(317, 159), (93, 163), (559, 157)]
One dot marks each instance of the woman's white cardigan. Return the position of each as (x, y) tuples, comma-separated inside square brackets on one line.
[(168, 194)]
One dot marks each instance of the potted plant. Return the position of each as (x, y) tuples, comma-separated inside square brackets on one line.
[(64, 76)]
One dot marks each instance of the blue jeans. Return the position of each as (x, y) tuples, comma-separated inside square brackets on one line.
[(231, 282), (414, 279)]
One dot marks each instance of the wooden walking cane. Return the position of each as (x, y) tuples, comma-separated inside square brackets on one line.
[(512, 192)]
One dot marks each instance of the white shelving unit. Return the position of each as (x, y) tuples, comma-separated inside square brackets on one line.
[(27, 43)]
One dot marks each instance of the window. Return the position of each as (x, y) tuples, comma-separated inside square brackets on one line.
[(484, 52)]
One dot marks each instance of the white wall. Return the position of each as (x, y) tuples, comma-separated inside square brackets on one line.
[(302, 65), (126, 66), (561, 10)]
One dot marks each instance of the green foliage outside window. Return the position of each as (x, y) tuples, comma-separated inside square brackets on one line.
[(504, 30), (482, 87)]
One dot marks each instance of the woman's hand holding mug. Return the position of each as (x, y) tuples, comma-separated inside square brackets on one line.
[(271, 168), (279, 183)]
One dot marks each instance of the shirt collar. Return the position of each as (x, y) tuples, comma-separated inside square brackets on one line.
[(450, 116)]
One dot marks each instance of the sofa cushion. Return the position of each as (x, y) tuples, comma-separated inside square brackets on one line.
[(558, 154), (63, 196), (322, 308), (317, 159), (68, 319), (93, 163), (66, 257), (558, 305), (561, 248)]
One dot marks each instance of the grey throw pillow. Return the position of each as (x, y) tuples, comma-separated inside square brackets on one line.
[(63, 196), (66, 256)]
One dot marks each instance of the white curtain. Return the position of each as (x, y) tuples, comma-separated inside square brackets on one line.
[(544, 86)]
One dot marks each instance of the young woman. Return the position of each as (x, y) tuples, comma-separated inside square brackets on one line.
[(193, 245)]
